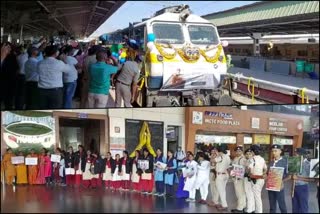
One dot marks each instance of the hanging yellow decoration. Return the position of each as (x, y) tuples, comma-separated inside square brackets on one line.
[(188, 54), (144, 140), (214, 58), (161, 50)]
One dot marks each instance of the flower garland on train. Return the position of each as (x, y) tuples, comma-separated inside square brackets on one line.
[(188, 54)]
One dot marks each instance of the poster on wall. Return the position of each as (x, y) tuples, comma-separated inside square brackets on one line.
[(132, 135), (261, 139), (274, 179), (215, 139), (26, 130)]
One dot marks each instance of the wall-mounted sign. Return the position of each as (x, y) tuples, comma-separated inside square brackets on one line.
[(277, 125), (247, 140), (261, 139), (226, 116), (222, 122), (255, 123), (215, 139), (282, 141), (117, 129), (83, 115), (197, 117)]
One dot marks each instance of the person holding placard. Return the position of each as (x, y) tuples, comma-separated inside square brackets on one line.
[(56, 168), (32, 169), (203, 177), (238, 182), (147, 168), (275, 196), (135, 176), (85, 167), (47, 168), (107, 175), (125, 171), (9, 168), (170, 172), (21, 168), (180, 192), (69, 162), (222, 162), (158, 173), (80, 157), (41, 173), (116, 171), (301, 189), (258, 169), (191, 176), (247, 182)]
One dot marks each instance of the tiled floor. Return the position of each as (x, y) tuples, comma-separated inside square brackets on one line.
[(42, 199)]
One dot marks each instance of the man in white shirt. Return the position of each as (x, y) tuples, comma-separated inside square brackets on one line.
[(222, 162), (50, 79), (32, 78), (21, 80), (70, 78), (258, 169), (203, 178)]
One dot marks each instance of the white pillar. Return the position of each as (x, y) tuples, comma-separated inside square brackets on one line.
[(21, 35), (256, 43), (1, 34)]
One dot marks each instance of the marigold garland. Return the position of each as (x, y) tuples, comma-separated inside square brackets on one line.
[(214, 58), (165, 54), (211, 59)]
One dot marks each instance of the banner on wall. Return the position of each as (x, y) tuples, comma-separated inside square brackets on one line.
[(28, 130), (215, 139)]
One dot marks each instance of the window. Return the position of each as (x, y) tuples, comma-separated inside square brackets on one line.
[(203, 34), (230, 49), (168, 33), (238, 50)]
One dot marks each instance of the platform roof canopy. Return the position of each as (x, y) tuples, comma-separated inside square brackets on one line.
[(76, 18), (274, 17)]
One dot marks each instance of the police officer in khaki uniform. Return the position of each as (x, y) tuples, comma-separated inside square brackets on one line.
[(258, 169), (239, 182), (214, 190), (247, 182), (222, 162)]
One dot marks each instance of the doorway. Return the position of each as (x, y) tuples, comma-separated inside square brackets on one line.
[(89, 130), (172, 135)]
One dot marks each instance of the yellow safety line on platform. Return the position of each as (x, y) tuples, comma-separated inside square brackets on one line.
[(303, 94), (251, 92)]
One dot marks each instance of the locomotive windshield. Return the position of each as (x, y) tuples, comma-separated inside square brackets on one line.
[(168, 33), (203, 35)]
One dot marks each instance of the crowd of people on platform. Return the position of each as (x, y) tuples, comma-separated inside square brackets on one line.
[(47, 76), (190, 172)]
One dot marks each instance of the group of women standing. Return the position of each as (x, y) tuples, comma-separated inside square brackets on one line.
[(140, 173)]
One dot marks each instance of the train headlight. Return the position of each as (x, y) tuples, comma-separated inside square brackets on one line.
[(220, 58), (159, 58)]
